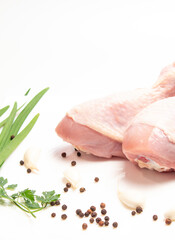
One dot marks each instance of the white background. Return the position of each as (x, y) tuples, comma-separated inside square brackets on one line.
[(82, 50)]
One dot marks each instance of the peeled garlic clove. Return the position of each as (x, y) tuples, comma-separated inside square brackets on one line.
[(130, 199), (31, 157), (73, 176)]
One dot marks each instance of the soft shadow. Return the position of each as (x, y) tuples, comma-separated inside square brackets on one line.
[(72, 154), (139, 176)]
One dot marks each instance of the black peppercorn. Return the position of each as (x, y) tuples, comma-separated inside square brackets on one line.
[(139, 209), (64, 207), (96, 179), (101, 223), (98, 219), (79, 154), (78, 211), (133, 213), (115, 224), (63, 216), (106, 218), (68, 185), (63, 154), (53, 215), (29, 170), (11, 138), (65, 189), (57, 202), (155, 217), (86, 214), (103, 211), (84, 226), (168, 221), (93, 214), (81, 214), (52, 203), (93, 208), (73, 163), (21, 162), (82, 189), (106, 223), (91, 220), (102, 205)]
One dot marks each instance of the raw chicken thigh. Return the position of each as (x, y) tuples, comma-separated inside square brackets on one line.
[(98, 126), (150, 139)]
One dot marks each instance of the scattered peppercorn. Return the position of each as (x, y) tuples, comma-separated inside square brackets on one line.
[(81, 214), (78, 211), (101, 223), (86, 214), (65, 189), (89, 211), (168, 221), (63, 216), (21, 162), (93, 208), (84, 226), (13, 136), (106, 223), (103, 211), (68, 185), (73, 163), (93, 214), (79, 154), (53, 215), (75, 149), (64, 207), (91, 220), (63, 154), (102, 205), (106, 218), (139, 209), (115, 224), (82, 189), (57, 202), (96, 179), (52, 203), (133, 213), (29, 170), (155, 217), (98, 219)]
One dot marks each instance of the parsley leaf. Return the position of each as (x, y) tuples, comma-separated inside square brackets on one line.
[(27, 194), (11, 187), (3, 181), (32, 205)]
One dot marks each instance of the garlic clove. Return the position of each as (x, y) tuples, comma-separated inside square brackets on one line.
[(130, 198), (73, 176), (31, 157)]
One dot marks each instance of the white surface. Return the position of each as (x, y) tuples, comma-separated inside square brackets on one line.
[(82, 50)]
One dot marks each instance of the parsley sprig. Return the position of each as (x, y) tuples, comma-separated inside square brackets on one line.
[(27, 200)]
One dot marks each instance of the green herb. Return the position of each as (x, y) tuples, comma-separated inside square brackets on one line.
[(11, 126), (27, 92), (27, 200), (3, 110)]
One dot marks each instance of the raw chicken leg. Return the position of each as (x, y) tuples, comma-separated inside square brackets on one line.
[(150, 139), (98, 126)]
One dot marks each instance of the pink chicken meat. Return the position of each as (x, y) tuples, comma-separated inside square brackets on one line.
[(98, 126), (150, 139)]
